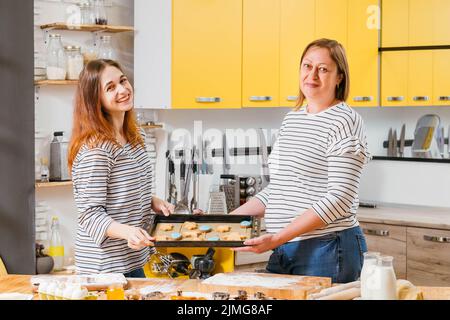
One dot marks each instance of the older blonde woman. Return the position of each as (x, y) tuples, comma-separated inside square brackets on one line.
[(315, 168)]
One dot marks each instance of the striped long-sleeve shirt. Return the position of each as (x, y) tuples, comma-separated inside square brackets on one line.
[(316, 163), (110, 184)]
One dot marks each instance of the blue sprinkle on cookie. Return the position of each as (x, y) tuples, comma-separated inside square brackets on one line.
[(205, 228), (246, 224), (175, 236)]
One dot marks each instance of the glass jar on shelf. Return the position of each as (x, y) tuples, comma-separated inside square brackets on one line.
[(75, 62), (105, 49), (101, 17), (87, 14), (56, 58)]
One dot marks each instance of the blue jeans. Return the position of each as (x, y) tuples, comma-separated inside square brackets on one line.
[(138, 273), (338, 255)]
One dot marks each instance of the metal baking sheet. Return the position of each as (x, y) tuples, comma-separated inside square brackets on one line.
[(255, 229)]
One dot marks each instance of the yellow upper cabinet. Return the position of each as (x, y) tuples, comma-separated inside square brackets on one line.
[(261, 53), (441, 22), (362, 52), (395, 23), (206, 54), (297, 30), (331, 20), (421, 22), (420, 78), (394, 78), (441, 78)]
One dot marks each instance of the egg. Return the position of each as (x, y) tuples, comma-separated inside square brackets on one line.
[(42, 290), (67, 294), (79, 293)]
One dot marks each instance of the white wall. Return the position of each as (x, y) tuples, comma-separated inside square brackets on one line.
[(53, 107)]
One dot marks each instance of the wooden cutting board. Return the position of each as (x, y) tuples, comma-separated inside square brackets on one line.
[(272, 285)]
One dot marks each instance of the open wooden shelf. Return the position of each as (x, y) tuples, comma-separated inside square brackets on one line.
[(87, 27), (55, 82), (154, 126), (52, 184)]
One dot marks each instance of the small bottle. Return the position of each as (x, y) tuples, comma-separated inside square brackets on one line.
[(369, 264), (56, 249), (45, 174)]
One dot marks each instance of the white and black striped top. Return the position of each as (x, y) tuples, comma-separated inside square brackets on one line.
[(110, 184), (316, 163)]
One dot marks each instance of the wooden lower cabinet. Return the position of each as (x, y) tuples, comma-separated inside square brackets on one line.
[(428, 252), (388, 240), (421, 255)]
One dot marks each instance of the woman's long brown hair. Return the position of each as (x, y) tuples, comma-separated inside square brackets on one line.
[(90, 122)]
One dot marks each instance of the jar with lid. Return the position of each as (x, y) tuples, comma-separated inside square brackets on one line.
[(87, 14), (75, 62), (101, 17), (105, 50), (56, 58)]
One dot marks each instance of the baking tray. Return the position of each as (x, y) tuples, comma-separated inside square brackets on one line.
[(255, 228)]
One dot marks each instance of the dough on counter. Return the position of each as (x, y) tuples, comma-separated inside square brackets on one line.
[(234, 236), (223, 228), (166, 227), (190, 225)]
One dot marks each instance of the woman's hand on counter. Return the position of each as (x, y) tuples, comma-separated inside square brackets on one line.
[(260, 244), (161, 206)]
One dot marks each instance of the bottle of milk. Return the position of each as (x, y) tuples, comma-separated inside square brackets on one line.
[(382, 281), (369, 265)]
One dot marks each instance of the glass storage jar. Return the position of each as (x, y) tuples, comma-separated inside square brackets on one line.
[(101, 17), (56, 58), (87, 14), (75, 62), (105, 49)]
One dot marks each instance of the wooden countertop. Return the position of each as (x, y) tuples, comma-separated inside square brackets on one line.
[(412, 216), (21, 284)]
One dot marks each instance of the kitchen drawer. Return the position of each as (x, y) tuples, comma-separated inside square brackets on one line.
[(388, 240), (428, 256)]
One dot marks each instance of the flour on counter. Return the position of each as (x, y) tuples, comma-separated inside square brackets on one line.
[(249, 280), (164, 288)]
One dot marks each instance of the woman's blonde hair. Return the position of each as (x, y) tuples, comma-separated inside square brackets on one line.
[(337, 53)]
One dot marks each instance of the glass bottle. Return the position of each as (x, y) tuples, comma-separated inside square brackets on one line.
[(45, 174), (101, 17), (105, 50), (382, 281), (56, 58), (56, 249), (75, 62), (369, 264)]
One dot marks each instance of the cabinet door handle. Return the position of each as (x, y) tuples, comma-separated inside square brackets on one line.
[(444, 98), (292, 98), (362, 99), (395, 99), (420, 98), (379, 233), (208, 99), (260, 98), (437, 239)]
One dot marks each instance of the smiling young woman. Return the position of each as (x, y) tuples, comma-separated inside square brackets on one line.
[(111, 175)]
